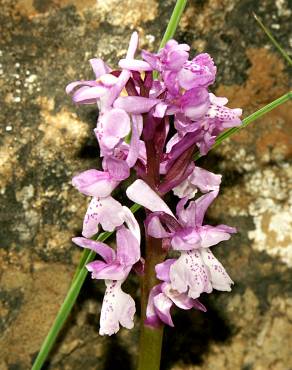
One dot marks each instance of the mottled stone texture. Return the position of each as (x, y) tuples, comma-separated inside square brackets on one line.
[(45, 139)]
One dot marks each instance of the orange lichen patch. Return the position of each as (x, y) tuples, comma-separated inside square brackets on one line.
[(271, 135), (266, 81)]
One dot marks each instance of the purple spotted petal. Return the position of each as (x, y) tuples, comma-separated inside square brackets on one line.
[(199, 72), (181, 300), (190, 274), (118, 308), (219, 277), (105, 211)]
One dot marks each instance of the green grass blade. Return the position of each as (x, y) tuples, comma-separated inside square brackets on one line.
[(273, 40), (173, 22)]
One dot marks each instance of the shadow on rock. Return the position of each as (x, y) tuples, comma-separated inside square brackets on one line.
[(191, 337), (116, 356)]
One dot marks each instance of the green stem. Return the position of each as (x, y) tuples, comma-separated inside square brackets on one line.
[(150, 338), (273, 40), (150, 348), (173, 22)]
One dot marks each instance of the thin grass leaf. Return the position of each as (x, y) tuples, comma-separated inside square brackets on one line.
[(273, 40)]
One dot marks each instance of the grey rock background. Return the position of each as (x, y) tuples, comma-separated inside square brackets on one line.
[(45, 140)]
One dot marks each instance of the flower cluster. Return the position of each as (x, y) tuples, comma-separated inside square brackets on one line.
[(153, 127)]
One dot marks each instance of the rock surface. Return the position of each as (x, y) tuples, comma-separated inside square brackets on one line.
[(45, 140)]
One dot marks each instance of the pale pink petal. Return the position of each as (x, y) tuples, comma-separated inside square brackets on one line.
[(200, 179), (133, 44), (134, 148), (117, 168), (152, 318), (107, 253), (160, 110), (111, 271), (135, 104), (162, 269), (181, 300), (128, 247), (186, 239), (202, 205), (89, 95), (155, 228), (118, 308), (219, 277), (205, 180), (109, 98), (116, 123), (162, 305), (185, 189), (135, 65), (99, 67), (94, 183), (217, 100), (72, 86), (212, 235), (141, 193), (132, 223), (108, 80)]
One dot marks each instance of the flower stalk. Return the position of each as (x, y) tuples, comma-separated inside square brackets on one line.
[(141, 142), (150, 338)]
